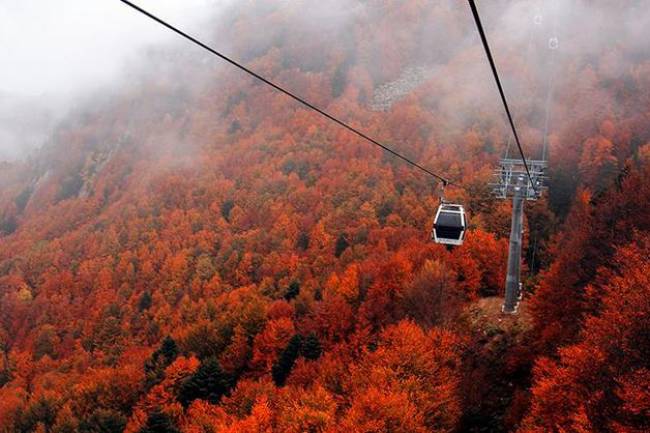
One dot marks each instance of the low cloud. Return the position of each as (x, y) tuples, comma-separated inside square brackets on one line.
[(53, 53)]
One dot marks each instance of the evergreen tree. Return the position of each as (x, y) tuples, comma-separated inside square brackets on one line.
[(155, 366), (169, 349), (303, 241), (103, 421), (226, 207), (42, 411), (282, 368), (145, 301), (159, 422), (22, 198), (209, 383), (312, 349), (8, 225), (342, 244), (292, 291)]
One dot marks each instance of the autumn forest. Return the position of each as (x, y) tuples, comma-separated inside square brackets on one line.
[(191, 251)]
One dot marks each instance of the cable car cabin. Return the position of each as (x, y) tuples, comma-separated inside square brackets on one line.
[(450, 224)]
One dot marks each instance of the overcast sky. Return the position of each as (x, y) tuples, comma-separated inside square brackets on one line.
[(63, 46)]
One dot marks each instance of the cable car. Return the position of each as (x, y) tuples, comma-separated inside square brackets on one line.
[(449, 225)]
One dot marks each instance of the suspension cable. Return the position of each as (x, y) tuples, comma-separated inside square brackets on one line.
[(288, 93), (479, 26), (529, 50), (550, 86), (549, 100)]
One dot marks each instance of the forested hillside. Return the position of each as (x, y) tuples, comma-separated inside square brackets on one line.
[(195, 252)]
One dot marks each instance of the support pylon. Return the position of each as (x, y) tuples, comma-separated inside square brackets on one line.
[(511, 301), (513, 181)]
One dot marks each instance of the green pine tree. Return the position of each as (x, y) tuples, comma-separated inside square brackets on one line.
[(103, 421), (292, 291), (145, 301), (342, 244), (312, 349), (209, 383), (169, 349), (155, 366), (159, 422), (282, 368)]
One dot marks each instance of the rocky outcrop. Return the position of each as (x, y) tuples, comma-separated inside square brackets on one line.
[(387, 94)]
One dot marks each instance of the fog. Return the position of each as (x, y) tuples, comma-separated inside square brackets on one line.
[(54, 52)]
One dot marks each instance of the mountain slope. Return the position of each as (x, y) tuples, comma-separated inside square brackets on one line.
[(198, 252)]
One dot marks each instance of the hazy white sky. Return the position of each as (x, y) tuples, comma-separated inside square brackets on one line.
[(67, 46)]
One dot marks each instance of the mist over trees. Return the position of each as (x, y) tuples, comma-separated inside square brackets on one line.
[(191, 251)]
